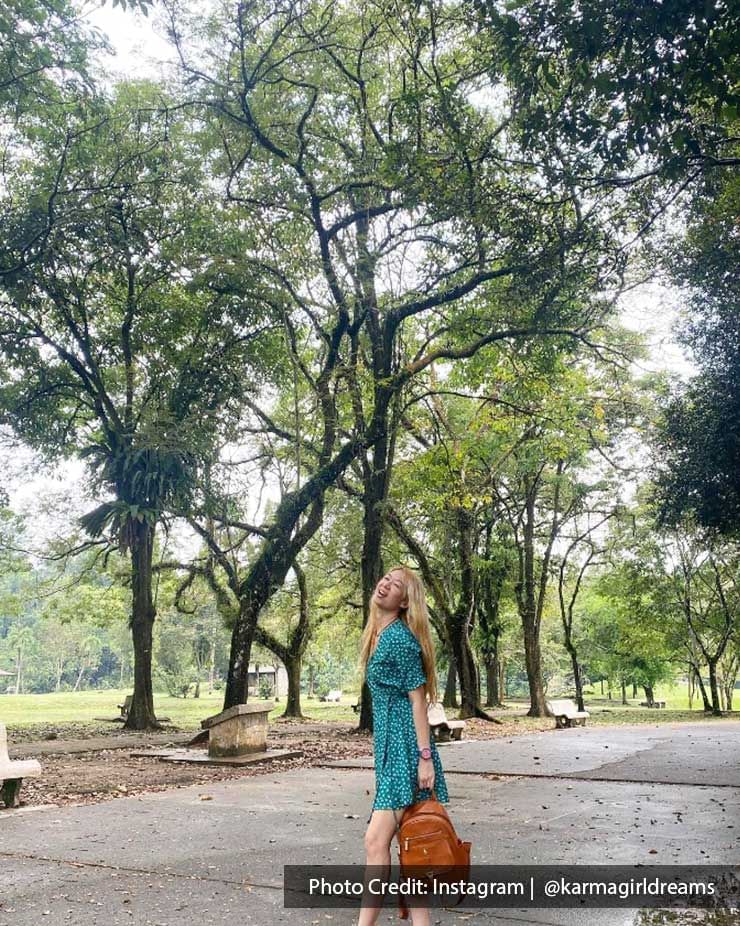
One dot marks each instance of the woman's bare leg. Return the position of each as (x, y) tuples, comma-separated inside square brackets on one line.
[(378, 840)]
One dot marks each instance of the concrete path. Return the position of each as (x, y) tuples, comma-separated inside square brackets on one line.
[(212, 854), (692, 753)]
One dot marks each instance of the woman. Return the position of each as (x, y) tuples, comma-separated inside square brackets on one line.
[(398, 657)]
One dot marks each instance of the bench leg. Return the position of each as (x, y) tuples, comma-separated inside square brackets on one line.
[(457, 734), (11, 791), (561, 722)]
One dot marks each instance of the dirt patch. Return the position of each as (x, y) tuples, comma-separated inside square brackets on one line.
[(90, 777)]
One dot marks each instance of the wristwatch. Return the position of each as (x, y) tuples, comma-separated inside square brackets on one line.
[(425, 753)]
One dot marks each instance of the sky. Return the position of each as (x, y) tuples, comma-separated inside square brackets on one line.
[(142, 50)]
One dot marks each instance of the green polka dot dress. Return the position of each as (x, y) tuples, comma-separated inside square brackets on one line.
[(395, 669)]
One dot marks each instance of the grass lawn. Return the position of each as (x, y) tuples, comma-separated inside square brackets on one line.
[(84, 707), (187, 713)]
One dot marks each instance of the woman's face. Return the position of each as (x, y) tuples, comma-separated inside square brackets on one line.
[(390, 592)]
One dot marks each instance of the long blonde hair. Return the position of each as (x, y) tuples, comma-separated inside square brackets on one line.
[(416, 618)]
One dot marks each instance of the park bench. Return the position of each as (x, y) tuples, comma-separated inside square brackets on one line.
[(125, 707), (13, 772), (654, 704), (442, 728), (566, 713), (331, 696)]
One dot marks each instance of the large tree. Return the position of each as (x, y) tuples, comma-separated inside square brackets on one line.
[(400, 222), (128, 337)]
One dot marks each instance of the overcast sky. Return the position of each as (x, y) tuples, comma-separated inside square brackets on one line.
[(141, 50)]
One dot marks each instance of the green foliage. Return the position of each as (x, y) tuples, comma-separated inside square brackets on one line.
[(698, 439), (614, 81)]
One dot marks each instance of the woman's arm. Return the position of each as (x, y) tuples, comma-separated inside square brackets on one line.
[(421, 723)]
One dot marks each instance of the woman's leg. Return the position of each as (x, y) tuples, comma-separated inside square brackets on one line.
[(378, 840)]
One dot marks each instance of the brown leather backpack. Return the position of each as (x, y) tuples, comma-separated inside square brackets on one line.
[(428, 844)]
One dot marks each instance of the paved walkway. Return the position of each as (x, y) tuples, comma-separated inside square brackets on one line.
[(672, 753), (212, 854)]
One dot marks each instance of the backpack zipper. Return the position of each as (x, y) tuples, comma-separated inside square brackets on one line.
[(409, 839)]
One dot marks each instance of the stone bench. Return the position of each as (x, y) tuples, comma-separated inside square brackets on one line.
[(238, 730), (442, 728), (566, 713), (12, 772)]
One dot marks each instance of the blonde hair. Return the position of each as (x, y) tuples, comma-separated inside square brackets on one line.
[(416, 618)]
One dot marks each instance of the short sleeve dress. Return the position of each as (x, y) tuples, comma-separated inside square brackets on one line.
[(395, 669)]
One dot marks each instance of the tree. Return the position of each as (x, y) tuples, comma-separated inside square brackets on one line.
[(698, 440), (378, 151), (127, 335)]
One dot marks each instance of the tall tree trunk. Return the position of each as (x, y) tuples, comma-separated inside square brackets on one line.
[(649, 695), (293, 704), (634, 689), (371, 565), (465, 663), (494, 693), (449, 699), (706, 703), (714, 688), (211, 666), (141, 714), (624, 692), (577, 680), (533, 660)]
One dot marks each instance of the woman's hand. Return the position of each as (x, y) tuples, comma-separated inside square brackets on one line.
[(426, 773)]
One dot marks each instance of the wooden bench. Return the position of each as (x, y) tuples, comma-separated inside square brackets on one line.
[(654, 704), (566, 713), (331, 696), (12, 772), (442, 728)]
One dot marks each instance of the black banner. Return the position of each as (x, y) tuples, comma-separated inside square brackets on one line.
[(514, 886)]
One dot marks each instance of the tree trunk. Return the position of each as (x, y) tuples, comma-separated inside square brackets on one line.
[(141, 714), (649, 695), (533, 659), (212, 667), (714, 688), (449, 699), (634, 689), (706, 703), (494, 692), (79, 678), (293, 705), (465, 665), (371, 561), (624, 692), (577, 680)]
